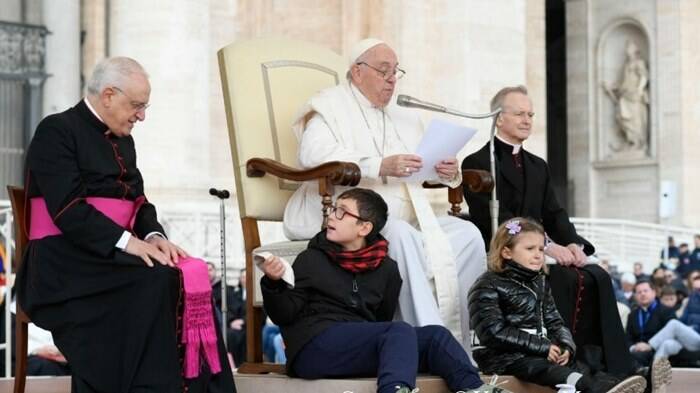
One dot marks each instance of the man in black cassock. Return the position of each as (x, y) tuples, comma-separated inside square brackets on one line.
[(583, 293), (110, 297)]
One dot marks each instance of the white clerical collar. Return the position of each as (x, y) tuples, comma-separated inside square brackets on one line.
[(516, 147), (94, 112), (361, 99)]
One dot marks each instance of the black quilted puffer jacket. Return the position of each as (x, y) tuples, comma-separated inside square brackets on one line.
[(501, 305)]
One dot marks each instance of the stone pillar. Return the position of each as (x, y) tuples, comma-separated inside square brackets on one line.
[(11, 11), (577, 66), (93, 21), (689, 77), (62, 88), (173, 44)]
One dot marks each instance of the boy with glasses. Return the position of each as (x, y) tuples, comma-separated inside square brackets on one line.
[(337, 319)]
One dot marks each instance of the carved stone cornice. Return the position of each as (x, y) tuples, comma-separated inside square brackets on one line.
[(22, 49)]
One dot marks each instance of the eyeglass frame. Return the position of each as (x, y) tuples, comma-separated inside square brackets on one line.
[(135, 104), (397, 71), (333, 209)]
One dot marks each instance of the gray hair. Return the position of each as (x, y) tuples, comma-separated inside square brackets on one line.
[(113, 71), (497, 100), (628, 278)]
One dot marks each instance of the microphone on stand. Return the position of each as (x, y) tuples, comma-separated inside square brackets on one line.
[(222, 195), (411, 102)]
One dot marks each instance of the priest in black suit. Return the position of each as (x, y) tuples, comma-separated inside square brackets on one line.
[(105, 286), (583, 293)]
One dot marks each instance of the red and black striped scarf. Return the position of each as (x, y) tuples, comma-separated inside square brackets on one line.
[(362, 260)]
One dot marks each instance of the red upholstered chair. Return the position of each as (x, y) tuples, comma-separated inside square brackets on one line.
[(22, 320)]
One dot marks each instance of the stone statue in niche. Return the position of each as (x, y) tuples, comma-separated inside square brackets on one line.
[(631, 98)]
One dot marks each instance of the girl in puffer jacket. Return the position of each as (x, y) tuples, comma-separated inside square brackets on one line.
[(516, 321)]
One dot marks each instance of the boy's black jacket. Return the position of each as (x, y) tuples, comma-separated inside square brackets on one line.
[(323, 295), (500, 304)]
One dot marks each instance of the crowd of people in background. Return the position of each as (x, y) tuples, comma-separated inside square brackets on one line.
[(660, 309)]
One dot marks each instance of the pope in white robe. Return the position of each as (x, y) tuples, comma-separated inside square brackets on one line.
[(357, 121)]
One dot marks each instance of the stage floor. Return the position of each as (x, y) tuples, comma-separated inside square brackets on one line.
[(685, 380)]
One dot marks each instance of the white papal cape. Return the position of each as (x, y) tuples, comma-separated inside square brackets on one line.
[(340, 124)]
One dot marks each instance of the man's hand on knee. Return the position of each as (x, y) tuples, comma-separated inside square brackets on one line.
[(579, 256), (561, 254), (173, 252), (147, 252)]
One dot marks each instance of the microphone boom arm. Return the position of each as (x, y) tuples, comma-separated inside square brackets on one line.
[(410, 102)]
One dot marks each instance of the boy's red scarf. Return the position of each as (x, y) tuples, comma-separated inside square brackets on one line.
[(362, 260)]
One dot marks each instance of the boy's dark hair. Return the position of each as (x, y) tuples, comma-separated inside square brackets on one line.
[(370, 206)]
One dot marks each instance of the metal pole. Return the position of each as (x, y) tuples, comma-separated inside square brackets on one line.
[(224, 302), (494, 204)]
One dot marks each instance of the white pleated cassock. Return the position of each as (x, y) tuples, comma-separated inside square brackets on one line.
[(417, 303), (438, 257)]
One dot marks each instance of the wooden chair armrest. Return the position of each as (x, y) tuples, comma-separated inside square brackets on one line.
[(477, 180), (338, 173)]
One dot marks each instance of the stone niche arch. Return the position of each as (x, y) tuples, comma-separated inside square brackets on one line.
[(624, 115)]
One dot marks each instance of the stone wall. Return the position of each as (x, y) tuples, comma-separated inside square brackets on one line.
[(614, 179)]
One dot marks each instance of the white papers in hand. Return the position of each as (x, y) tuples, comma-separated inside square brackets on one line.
[(442, 140), (287, 276)]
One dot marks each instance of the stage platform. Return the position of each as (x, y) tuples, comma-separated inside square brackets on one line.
[(685, 380)]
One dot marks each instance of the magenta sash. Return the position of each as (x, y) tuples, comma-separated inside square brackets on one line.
[(198, 332), (120, 211)]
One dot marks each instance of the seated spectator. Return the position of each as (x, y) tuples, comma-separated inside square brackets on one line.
[(235, 316), (684, 266), (669, 298), (648, 317), (43, 357), (624, 311), (658, 278), (677, 283), (639, 272), (691, 313), (627, 281), (614, 278), (679, 335), (695, 255), (673, 251), (337, 318), (273, 343), (692, 276)]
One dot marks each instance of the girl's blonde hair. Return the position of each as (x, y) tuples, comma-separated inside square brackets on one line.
[(507, 236)]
